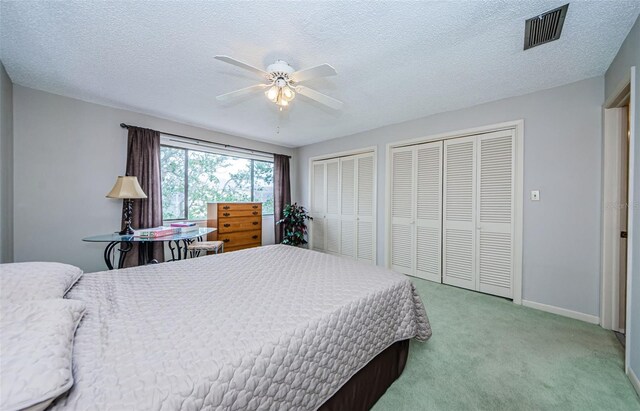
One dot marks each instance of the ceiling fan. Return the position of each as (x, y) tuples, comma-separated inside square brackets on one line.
[(282, 82)]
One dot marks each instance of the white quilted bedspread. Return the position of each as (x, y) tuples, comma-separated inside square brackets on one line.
[(274, 327)]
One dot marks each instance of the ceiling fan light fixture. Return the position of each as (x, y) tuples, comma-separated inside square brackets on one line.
[(288, 94), (281, 95), (272, 93)]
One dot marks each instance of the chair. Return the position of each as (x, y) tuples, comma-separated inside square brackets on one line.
[(196, 248)]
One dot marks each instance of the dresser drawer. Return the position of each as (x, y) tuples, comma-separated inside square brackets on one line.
[(240, 247), (238, 213), (241, 238), (222, 207), (232, 224)]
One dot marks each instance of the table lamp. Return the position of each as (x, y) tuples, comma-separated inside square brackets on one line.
[(127, 188)]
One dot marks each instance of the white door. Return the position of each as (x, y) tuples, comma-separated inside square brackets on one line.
[(479, 188), (495, 213), (402, 206), (453, 211), (459, 225), (623, 183), (343, 206), (365, 208), (348, 206), (318, 204), (332, 215), (428, 213)]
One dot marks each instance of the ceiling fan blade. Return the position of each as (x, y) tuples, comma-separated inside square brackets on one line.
[(242, 92), (320, 98), (323, 70), (243, 65)]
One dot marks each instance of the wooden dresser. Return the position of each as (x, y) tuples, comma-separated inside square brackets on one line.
[(239, 224)]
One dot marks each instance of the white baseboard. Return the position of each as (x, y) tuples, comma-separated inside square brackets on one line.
[(593, 319), (634, 380)]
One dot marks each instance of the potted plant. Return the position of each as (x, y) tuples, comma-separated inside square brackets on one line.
[(295, 227)]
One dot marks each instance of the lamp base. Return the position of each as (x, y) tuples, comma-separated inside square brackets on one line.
[(126, 231), (126, 217)]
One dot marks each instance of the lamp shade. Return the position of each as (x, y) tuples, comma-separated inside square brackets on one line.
[(126, 187)]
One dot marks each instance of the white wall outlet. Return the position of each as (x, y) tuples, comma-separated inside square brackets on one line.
[(535, 195)]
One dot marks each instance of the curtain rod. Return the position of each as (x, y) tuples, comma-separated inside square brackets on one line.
[(123, 125)]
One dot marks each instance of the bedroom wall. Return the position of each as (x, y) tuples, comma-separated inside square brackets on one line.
[(562, 159), (628, 56), (67, 156), (6, 167)]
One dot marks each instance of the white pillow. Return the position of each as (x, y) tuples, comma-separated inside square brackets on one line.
[(37, 346), (36, 281)]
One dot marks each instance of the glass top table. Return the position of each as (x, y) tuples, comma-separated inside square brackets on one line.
[(176, 242), (107, 238)]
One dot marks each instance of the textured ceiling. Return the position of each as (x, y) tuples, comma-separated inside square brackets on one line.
[(396, 61)]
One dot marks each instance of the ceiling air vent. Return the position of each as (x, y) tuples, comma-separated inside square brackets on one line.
[(544, 28)]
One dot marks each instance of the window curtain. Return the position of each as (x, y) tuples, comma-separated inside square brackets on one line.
[(281, 192), (143, 161)]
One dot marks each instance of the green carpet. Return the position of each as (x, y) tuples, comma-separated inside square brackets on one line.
[(487, 353)]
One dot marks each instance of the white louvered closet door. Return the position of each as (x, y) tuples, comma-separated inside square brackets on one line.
[(332, 216), (495, 203), (428, 212), (402, 210), (459, 211), (348, 206), (318, 204), (343, 206), (365, 204)]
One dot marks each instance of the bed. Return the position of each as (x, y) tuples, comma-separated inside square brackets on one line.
[(274, 327)]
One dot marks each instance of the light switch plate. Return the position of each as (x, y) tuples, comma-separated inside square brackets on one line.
[(535, 195)]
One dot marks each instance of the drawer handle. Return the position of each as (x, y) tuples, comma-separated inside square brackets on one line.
[(255, 213), (255, 237), (255, 223), (226, 214), (255, 206), (226, 240), (226, 207), (227, 225)]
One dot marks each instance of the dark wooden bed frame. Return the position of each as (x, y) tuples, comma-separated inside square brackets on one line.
[(366, 386)]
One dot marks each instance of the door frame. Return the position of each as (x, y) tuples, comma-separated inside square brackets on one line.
[(338, 155), (609, 300), (614, 125), (518, 127)]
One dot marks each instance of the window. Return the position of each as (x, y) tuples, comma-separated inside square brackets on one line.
[(193, 178)]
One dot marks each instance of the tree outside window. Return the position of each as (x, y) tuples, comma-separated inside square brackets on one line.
[(191, 179)]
